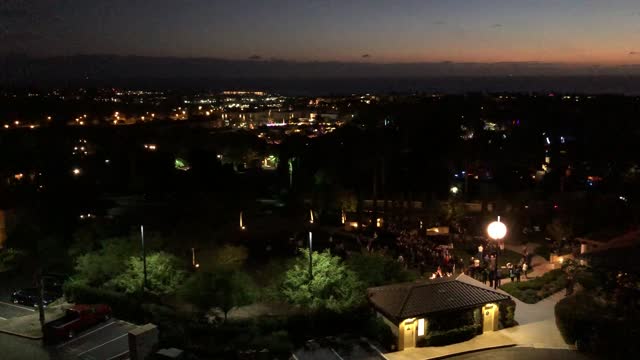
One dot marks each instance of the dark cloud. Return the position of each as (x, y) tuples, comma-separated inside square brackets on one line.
[(255, 57), (495, 26), (20, 36), (365, 56), (439, 22), (634, 52), (13, 13)]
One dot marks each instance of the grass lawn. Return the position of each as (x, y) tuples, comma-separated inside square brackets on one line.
[(509, 256), (534, 290)]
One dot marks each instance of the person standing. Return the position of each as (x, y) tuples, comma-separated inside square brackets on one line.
[(570, 283), (485, 275), (512, 273)]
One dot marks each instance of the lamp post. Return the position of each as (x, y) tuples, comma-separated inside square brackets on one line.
[(496, 231), (193, 259), (144, 258), (310, 255)]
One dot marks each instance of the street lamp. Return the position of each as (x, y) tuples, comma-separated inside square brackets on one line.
[(144, 258), (193, 259), (454, 190), (310, 255), (496, 231)]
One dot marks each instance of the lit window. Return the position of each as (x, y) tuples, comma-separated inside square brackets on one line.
[(421, 327)]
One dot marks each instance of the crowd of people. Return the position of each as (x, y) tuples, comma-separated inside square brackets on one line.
[(430, 256), (484, 266)]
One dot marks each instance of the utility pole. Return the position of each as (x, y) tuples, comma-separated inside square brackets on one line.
[(310, 255), (144, 259), (40, 301)]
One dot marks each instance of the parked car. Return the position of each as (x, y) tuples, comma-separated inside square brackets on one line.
[(29, 297), (76, 319)]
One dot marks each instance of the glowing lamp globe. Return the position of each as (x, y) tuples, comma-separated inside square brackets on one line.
[(497, 230)]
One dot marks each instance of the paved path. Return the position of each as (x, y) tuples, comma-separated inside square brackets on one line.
[(486, 340), (338, 349), (523, 353), (10, 310), (539, 265), (103, 341), (17, 348)]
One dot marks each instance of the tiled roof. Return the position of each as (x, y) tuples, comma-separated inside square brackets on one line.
[(408, 300)]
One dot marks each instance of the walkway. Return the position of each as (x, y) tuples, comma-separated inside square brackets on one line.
[(539, 264)]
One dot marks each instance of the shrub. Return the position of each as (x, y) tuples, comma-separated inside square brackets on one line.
[(534, 290), (10, 259), (127, 307), (376, 329), (440, 338), (507, 310), (378, 269), (594, 327)]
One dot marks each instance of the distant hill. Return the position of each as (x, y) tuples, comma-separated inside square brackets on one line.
[(21, 70)]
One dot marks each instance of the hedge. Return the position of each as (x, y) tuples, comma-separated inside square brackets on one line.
[(126, 307), (440, 338), (595, 327), (507, 310), (534, 290)]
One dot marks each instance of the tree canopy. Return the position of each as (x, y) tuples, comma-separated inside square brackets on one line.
[(117, 265), (224, 289), (377, 269), (333, 286), (165, 274)]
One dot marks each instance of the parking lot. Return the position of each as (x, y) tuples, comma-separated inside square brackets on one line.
[(338, 349), (105, 341), (9, 310)]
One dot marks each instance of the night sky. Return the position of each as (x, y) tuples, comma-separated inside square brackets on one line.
[(584, 31)]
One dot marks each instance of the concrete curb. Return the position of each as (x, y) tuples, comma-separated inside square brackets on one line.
[(472, 351), (21, 335)]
